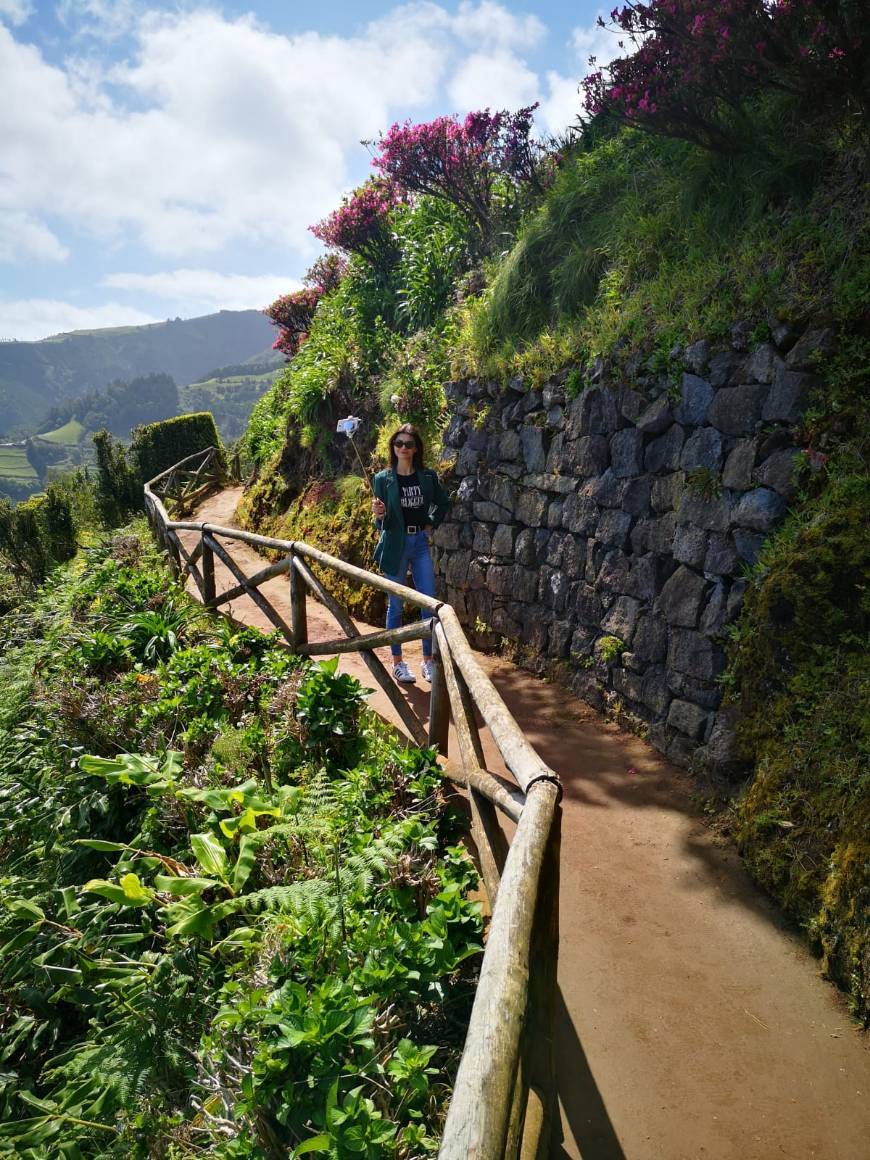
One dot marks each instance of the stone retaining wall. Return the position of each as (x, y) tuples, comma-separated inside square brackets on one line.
[(606, 535)]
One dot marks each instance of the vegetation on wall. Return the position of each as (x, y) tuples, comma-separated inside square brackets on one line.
[(233, 922)]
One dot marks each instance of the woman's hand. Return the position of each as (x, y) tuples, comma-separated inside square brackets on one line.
[(378, 509)]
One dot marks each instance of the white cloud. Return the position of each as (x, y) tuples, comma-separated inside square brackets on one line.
[(15, 11), (101, 19), (35, 318), (562, 105), (23, 238), (495, 80), (207, 289)]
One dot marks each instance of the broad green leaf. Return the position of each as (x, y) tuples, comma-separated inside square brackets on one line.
[(245, 862), (210, 854), (183, 887), (319, 1143), (99, 844), (23, 908)]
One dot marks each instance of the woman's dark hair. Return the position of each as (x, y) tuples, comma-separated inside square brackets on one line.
[(407, 429)]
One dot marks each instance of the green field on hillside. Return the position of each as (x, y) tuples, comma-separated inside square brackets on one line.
[(70, 434), (14, 464), (230, 399)]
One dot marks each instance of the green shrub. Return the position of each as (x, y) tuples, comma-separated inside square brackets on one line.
[(800, 677), (157, 446)]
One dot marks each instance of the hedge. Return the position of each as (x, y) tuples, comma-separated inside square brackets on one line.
[(156, 446)]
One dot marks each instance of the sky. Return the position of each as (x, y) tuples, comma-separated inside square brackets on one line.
[(166, 160)]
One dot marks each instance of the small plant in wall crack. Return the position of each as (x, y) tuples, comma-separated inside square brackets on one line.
[(609, 649), (702, 483)]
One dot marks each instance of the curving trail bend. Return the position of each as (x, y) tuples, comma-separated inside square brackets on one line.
[(692, 1023)]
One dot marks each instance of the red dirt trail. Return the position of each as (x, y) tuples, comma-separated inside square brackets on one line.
[(692, 1022)]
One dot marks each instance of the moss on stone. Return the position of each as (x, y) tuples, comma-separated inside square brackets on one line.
[(800, 676)]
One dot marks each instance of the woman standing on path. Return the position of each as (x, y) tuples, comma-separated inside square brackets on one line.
[(409, 502)]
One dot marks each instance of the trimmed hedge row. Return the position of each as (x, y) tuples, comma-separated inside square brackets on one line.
[(156, 446)]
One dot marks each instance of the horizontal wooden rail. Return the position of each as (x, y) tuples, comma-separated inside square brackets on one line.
[(504, 1100)]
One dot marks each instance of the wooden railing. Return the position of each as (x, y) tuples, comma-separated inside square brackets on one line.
[(504, 1099)]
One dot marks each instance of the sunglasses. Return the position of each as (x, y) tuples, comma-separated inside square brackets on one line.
[(404, 443)]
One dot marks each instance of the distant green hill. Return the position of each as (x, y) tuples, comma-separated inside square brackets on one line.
[(36, 375), (230, 392)]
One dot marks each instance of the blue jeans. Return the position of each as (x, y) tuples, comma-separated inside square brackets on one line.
[(416, 557)]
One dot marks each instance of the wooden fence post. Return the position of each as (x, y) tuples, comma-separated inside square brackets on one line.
[(298, 609), (439, 703), (208, 589)]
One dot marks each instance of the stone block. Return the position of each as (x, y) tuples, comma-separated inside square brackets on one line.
[(722, 367), (690, 545), (490, 513), (596, 553), (702, 449), (642, 536), (663, 454), (454, 436), (614, 572), (593, 412), (503, 540), (661, 535), (721, 558), (737, 472), (574, 556), (721, 754), (656, 417), (636, 497), (696, 356), (553, 394), (503, 492), (693, 653), (655, 693), (524, 547), (815, 344), (523, 583), (542, 540), (735, 599), (613, 528), (532, 443), (763, 364), (547, 481), (559, 641), (554, 513), (456, 572), (737, 410), (712, 514), (760, 509), (696, 395), (531, 508), (645, 577), (556, 417), (650, 643), (446, 537), (632, 404), (777, 471), (482, 542), (588, 607), (587, 687), (689, 719), (707, 694), (467, 491), (553, 588), (556, 454), (580, 515), (553, 551), (626, 452), (748, 544), (606, 489), (582, 640), (681, 597), (587, 455), (788, 397), (666, 492), (712, 622), (627, 683), (621, 619), (509, 446)]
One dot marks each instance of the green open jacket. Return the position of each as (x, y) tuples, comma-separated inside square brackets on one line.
[(436, 501)]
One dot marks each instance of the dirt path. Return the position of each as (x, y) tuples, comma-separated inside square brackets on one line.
[(693, 1025)]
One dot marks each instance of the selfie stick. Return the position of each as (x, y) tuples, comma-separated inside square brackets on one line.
[(347, 427)]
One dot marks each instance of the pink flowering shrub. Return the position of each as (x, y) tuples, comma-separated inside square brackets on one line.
[(697, 63), (292, 313), (462, 161), (361, 224)]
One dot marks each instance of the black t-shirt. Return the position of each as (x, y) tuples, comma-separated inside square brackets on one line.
[(411, 499)]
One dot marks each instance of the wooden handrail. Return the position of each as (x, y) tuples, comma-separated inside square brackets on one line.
[(504, 1100)]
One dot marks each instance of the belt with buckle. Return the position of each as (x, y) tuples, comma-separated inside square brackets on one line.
[(412, 529)]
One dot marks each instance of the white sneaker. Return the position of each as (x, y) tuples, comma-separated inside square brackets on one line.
[(426, 669), (403, 674)]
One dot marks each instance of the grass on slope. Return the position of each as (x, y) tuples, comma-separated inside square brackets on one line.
[(14, 464), (70, 434)]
